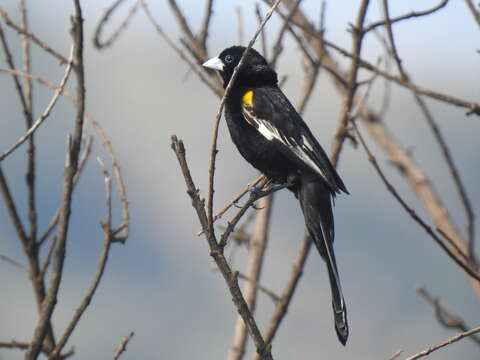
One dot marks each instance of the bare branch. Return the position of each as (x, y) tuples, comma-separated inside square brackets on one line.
[(122, 347), (107, 242), (275, 298), (413, 14), (24, 346), (13, 262), (217, 254), (32, 37), (445, 317), (202, 38), (236, 198), (71, 165), (475, 12), (258, 245), (458, 259), (215, 87), (47, 110), (357, 33), (287, 294), (444, 343), (239, 24), (103, 21)]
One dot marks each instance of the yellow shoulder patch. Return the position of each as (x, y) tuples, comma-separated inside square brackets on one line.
[(247, 98)]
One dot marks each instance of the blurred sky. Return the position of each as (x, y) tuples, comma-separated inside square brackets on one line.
[(161, 284)]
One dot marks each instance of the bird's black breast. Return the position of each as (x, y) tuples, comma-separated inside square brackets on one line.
[(261, 153)]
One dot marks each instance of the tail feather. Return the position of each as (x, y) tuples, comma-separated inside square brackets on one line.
[(316, 203)]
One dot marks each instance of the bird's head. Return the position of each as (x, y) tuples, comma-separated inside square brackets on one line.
[(255, 69)]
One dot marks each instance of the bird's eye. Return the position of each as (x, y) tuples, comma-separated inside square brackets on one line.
[(228, 58)]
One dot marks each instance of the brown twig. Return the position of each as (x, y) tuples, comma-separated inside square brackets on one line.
[(45, 113), (202, 38), (235, 199), (452, 168), (310, 32), (413, 14), (214, 85), (71, 164), (287, 294), (445, 317), (277, 47), (28, 113), (54, 220), (475, 12), (198, 51), (108, 147), (238, 11), (444, 343), (263, 36), (107, 242), (13, 262), (438, 137), (396, 355), (32, 37), (24, 346), (257, 247), (105, 18), (472, 271), (217, 254), (357, 34), (275, 298), (122, 347)]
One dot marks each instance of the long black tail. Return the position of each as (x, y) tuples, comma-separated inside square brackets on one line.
[(316, 202)]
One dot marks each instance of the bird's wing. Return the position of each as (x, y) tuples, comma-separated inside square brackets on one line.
[(270, 112)]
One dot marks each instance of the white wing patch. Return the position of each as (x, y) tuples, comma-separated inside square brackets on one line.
[(271, 133)]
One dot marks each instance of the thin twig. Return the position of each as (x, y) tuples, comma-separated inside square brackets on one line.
[(24, 346), (445, 317), (473, 272), (452, 168), (107, 145), (71, 164), (444, 343), (396, 355), (413, 14), (202, 38), (235, 199), (257, 247), (47, 110), (122, 347), (357, 33), (214, 86), (103, 21), (32, 37), (13, 262), (275, 298), (263, 36), (473, 108), (216, 252), (277, 46), (238, 11), (107, 242), (475, 12), (28, 113), (287, 294)]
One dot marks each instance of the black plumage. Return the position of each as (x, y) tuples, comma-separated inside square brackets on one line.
[(271, 136)]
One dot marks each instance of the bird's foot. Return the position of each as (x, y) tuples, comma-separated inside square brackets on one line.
[(267, 189)]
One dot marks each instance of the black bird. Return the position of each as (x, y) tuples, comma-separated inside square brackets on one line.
[(272, 137)]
